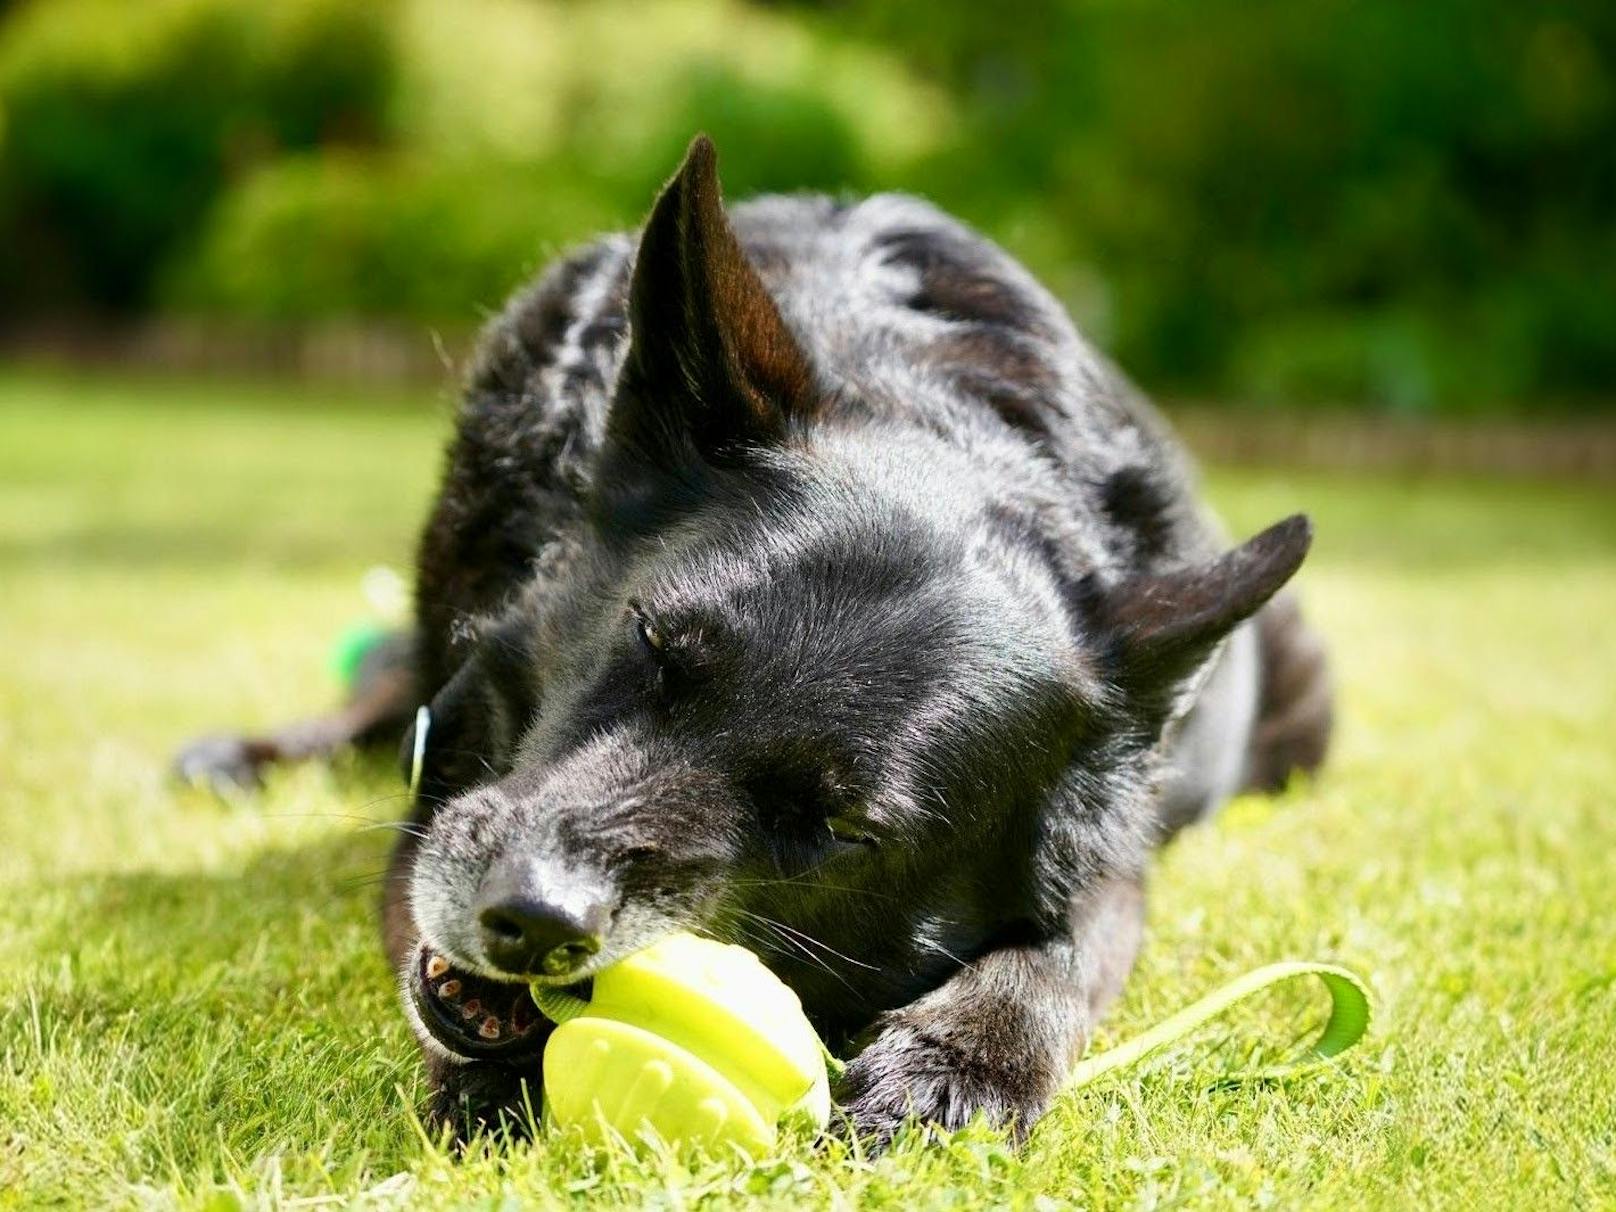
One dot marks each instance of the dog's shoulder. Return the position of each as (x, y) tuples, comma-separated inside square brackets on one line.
[(569, 324), (530, 420)]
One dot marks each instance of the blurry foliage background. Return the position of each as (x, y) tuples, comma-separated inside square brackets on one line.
[(1406, 204)]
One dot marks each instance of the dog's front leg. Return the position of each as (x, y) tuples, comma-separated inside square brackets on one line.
[(1000, 1036), (481, 1097)]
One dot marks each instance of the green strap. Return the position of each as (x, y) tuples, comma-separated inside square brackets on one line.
[(558, 1005), (1349, 1019), (835, 1066)]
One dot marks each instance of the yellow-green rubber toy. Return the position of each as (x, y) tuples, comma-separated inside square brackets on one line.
[(695, 1040), (698, 1042)]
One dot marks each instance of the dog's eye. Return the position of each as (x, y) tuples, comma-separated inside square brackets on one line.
[(803, 798), (844, 830), (651, 637), (650, 634)]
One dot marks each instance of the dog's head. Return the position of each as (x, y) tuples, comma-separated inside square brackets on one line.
[(794, 686)]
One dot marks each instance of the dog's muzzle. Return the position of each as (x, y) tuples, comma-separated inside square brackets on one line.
[(474, 1017)]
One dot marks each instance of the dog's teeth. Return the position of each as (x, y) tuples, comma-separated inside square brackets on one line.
[(489, 1028), (436, 967), (471, 1009), (449, 990)]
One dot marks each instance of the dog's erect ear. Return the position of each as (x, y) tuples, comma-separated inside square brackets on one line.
[(1165, 625), (709, 356)]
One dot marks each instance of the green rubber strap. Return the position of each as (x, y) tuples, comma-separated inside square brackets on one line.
[(558, 1005), (835, 1066), (1349, 1019)]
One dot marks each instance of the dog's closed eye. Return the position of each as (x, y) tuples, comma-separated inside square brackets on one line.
[(650, 633), (683, 651), (808, 802), (849, 832)]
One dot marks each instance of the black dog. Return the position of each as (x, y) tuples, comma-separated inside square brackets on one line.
[(803, 578)]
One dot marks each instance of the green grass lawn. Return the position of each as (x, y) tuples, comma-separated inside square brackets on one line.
[(195, 1011)]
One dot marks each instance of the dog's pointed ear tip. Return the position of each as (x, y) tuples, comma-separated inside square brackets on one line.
[(696, 172), (1294, 533), (701, 159)]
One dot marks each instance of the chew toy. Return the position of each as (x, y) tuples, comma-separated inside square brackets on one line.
[(698, 1041), (694, 1039)]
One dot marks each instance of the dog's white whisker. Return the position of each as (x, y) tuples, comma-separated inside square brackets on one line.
[(814, 942), (802, 949)]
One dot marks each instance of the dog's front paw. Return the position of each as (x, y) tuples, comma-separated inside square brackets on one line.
[(480, 1098), (223, 763), (911, 1072)]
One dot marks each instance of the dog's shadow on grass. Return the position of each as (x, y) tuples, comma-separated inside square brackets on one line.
[(251, 1001)]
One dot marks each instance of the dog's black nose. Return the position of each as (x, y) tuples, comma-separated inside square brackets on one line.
[(528, 937), (527, 932)]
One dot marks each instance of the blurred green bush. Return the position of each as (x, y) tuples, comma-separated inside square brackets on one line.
[(1411, 206), (337, 235), (1407, 204), (121, 123), (516, 135)]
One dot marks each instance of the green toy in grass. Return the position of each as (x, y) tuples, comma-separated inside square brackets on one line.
[(697, 1041), (388, 596)]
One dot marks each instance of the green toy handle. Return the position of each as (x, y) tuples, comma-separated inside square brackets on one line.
[(557, 1004), (1349, 1019)]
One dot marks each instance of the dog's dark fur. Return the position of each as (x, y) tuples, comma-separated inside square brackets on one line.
[(801, 577)]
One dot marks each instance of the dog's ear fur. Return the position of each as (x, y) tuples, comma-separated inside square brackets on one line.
[(709, 359), (1165, 625)]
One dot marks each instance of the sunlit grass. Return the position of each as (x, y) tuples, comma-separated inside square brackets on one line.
[(195, 1010)]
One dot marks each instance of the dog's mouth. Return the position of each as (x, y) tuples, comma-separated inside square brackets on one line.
[(474, 1016)]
